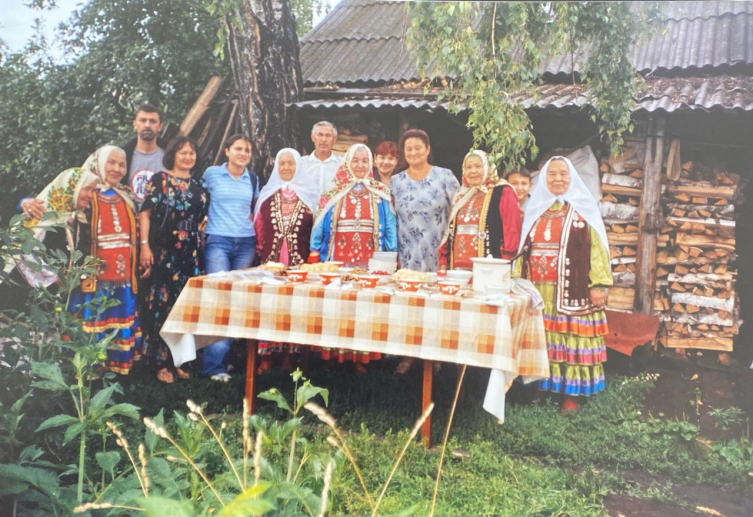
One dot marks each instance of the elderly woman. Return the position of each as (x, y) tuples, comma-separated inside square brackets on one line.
[(423, 199), (113, 235), (567, 258), (354, 220), (283, 220), (355, 216), (171, 250), (385, 161), (485, 218)]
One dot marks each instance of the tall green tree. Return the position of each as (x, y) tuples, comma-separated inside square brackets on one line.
[(488, 54), (119, 53)]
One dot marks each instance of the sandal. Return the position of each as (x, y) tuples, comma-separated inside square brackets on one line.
[(166, 376), (183, 374)]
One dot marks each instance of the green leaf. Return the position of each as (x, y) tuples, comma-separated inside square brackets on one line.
[(108, 460), (163, 506), (57, 421), (100, 400), (73, 431), (127, 410), (248, 503), (52, 375), (307, 392), (275, 396)]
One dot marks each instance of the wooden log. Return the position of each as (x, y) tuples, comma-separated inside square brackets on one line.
[(621, 298), (620, 190), (704, 301), (622, 239), (700, 189), (621, 212), (624, 278), (708, 319), (699, 278), (723, 344), (623, 260), (201, 105), (705, 241), (717, 223)]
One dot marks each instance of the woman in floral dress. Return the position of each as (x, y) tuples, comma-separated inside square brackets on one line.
[(423, 196), (171, 249), (283, 221)]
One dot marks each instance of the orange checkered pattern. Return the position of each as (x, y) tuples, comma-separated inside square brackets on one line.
[(453, 329)]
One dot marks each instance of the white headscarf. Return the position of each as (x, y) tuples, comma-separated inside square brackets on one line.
[(304, 187), (577, 195), (96, 163), (345, 180)]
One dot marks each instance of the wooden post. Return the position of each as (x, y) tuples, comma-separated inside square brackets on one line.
[(426, 400), (651, 217), (251, 348), (201, 105)]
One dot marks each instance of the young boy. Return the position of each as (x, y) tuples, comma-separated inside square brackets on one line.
[(520, 179)]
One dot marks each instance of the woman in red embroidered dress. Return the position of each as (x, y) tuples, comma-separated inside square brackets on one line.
[(283, 221), (485, 217), (355, 219), (567, 259), (113, 240)]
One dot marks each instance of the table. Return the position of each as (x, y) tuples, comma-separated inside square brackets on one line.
[(509, 338)]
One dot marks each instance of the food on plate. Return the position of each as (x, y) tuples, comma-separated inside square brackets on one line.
[(275, 267), (321, 267), (409, 274)]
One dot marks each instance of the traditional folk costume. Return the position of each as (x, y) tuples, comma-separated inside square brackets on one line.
[(567, 256), (283, 220), (485, 220), (60, 196), (355, 219), (113, 241)]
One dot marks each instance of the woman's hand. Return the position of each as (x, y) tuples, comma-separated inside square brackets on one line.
[(147, 260), (33, 208), (598, 297)]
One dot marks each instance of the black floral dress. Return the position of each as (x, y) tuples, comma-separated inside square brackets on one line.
[(178, 207)]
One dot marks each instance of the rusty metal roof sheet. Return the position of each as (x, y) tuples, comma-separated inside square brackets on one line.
[(361, 42), (722, 93)]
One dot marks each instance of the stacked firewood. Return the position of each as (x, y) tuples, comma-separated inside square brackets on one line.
[(622, 187), (699, 291)]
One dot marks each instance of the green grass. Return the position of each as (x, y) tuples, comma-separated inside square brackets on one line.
[(538, 463)]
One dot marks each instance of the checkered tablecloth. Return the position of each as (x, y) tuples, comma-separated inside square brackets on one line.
[(454, 329)]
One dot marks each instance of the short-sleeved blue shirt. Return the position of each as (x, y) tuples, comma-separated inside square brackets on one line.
[(230, 202)]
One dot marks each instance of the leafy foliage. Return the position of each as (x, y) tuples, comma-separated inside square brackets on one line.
[(118, 55), (488, 56)]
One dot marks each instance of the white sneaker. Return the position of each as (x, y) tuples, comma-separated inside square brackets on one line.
[(222, 377)]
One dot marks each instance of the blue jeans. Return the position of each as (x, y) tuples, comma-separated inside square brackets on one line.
[(225, 254)]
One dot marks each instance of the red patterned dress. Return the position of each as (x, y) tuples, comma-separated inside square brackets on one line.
[(354, 235)]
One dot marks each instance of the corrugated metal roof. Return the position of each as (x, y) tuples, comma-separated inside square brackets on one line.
[(361, 41), (723, 93)]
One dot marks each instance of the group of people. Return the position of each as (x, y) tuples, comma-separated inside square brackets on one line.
[(153, 226)]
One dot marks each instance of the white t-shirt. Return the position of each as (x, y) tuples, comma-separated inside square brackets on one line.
[(322, 170)]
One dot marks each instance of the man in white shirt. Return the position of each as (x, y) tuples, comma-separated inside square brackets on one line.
[(322, 164)]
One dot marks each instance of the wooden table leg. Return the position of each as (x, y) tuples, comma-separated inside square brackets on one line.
[(426, 400), (251, 352), (461, 393)]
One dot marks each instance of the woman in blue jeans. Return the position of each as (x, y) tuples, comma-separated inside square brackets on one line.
[(230, 234)]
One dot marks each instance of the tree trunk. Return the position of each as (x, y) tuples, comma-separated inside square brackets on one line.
[(264, 58)]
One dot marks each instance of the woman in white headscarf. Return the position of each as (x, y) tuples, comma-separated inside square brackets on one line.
[(567, 258), (355, 216), (355, 219), (285, 212), (485, 217), (283, 221), (114, 233)]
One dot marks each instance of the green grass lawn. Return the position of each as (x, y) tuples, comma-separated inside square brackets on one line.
[(537, 463)]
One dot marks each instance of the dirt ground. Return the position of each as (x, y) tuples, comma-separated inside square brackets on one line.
[(688, 388)]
